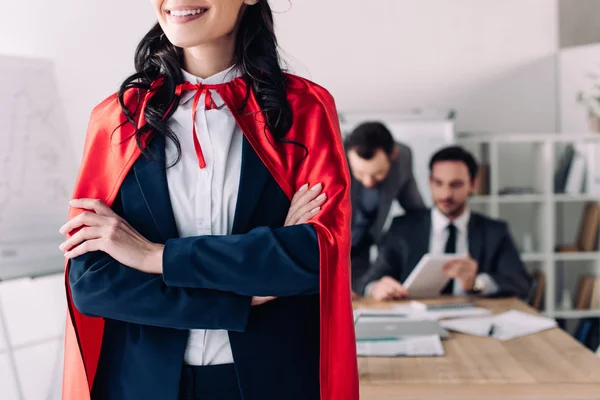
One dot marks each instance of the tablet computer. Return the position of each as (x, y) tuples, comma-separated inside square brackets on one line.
[(427, 279)]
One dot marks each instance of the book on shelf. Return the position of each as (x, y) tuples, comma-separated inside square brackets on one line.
[(536, 298), (588, 238), (482, 183), (586, 293), (587, 297)]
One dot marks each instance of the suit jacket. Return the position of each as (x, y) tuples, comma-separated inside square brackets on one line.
[(275, 346), (399, 184), (489, 243)]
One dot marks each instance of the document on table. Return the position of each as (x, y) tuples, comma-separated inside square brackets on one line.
[(409, 311), (442, 311), (505, 326), (413, 346)]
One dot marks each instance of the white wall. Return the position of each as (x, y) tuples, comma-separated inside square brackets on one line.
[(491, 60)]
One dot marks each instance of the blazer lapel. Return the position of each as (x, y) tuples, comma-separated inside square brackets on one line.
[(475, 237), (252, 181), (151, 177)]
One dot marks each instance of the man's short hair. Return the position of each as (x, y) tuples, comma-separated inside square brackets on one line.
[(455, 153), (369, 137)]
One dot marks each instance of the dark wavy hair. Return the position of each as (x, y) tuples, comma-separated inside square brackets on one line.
[(256, 57)]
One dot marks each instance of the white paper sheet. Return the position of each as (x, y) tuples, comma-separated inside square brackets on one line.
[(417, 346)]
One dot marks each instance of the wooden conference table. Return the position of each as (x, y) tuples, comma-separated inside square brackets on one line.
[(548, 365)]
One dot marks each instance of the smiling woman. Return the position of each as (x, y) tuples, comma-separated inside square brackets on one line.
[(199, 263)]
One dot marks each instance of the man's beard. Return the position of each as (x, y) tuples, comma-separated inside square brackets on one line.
[(454, 210)]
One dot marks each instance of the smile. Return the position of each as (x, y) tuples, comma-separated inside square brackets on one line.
[(185, 15)]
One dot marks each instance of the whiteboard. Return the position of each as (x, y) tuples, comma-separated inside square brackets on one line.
[(425, 131), (37, 168)]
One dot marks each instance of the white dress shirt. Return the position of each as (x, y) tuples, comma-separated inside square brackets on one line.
[(204, 200), (437, 244)]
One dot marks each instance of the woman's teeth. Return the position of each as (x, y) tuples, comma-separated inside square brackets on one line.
[(185, 13)]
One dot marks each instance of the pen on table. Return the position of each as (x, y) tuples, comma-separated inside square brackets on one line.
[(491, 331)]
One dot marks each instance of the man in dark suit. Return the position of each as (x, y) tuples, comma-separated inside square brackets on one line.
[(381, 172), (492, 266)]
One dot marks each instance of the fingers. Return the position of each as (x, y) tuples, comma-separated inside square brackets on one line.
[(389, 289), (257, 300), (306, 203), (304, 218), (380, 294), (98, 206), (312, 207), (84, 234), (84, 219), (403, 293), (395, 288), (451, 269), (297, 196), (85, 247), (304, 196)]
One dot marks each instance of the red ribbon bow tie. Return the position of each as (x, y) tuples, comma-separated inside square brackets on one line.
[(209, 104)]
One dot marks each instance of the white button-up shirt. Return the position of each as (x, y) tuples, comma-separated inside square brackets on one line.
[(437, 244), (204, 200)]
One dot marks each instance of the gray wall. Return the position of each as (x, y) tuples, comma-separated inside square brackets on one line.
[(579, 22)]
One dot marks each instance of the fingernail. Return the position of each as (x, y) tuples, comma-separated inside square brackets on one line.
[(71, 202), (62, 245), (303, 188), (316, 187), (321, 197), (315, 210)]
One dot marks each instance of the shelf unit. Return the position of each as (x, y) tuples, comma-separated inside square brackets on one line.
[(533, 165)]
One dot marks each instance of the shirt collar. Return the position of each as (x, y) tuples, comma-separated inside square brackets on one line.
[(439, 221), (219, 78)]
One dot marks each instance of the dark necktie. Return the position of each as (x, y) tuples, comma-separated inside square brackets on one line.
[(451, 242), (450, 249)]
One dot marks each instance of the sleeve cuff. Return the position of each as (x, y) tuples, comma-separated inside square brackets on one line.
[(369, 288), (176, 271), (486, 284)]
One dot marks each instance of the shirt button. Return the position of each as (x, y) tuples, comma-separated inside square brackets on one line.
[(205, 173)]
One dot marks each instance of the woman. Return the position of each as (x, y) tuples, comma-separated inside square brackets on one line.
[(190, 272)]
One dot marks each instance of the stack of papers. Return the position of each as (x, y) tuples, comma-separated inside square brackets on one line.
[(443, 311), (505, 326), (414, 346)]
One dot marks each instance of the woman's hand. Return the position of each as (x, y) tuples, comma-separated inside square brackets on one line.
[(305, 204), (105, 231)]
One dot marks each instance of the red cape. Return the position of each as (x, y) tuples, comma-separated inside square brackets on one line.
[(109, 156)]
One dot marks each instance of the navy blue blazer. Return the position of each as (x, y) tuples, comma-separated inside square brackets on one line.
[(207, 283)]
